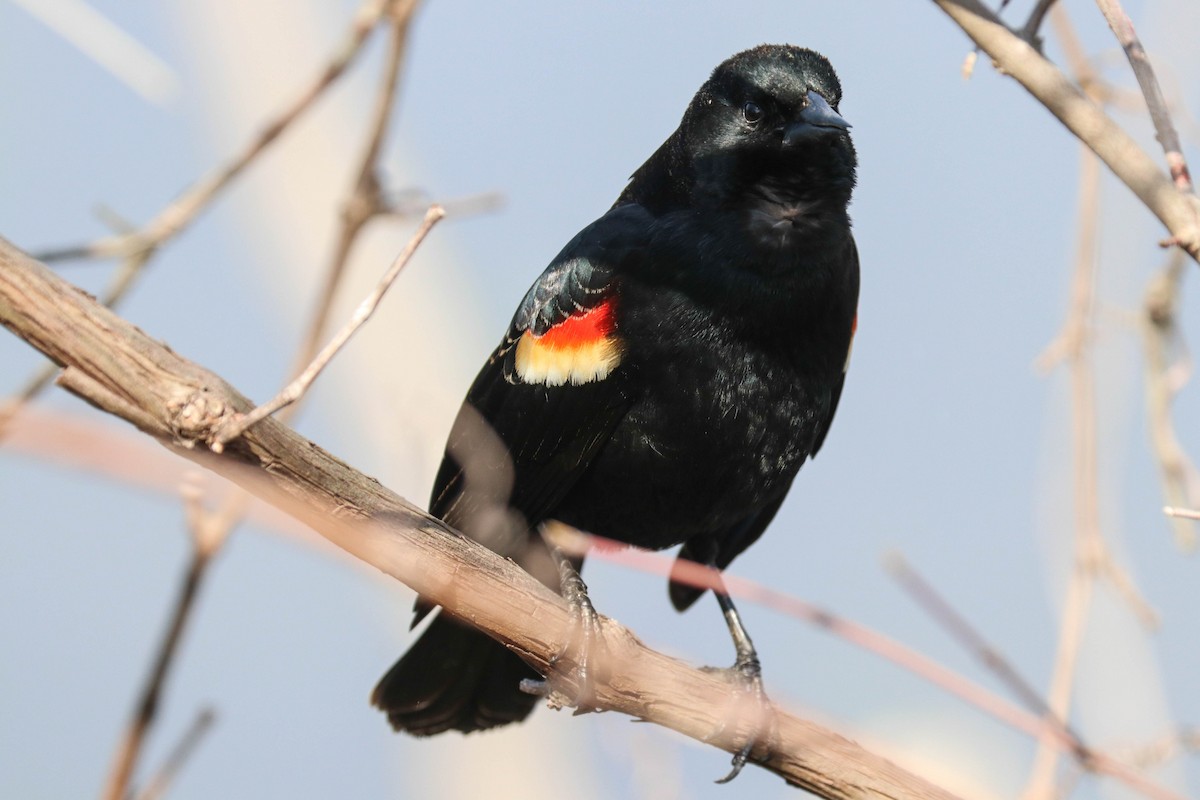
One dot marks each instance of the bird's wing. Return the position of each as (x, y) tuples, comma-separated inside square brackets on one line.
[(548, 398), (836, 394)]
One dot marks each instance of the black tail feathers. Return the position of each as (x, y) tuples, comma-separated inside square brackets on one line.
[(454, 678)]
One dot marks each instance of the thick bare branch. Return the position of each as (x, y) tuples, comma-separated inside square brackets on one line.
[(117, 368)]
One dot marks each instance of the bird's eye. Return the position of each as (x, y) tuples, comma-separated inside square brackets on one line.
[(752, 112)]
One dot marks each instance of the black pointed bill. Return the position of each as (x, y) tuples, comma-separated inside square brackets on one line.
[(817, 119)]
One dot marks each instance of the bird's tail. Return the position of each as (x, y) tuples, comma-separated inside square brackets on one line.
[(454, 678)]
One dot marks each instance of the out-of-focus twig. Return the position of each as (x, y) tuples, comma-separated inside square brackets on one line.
[(137, 247), (183, 211), (945, 614), (1165, 748), (1092, 557), (210, 530), (1186, 513), (1056, 735), (158, 784), (1168, 369), (108, 45), (367, 197), (207, 535), (1087, 759), (294, 390)]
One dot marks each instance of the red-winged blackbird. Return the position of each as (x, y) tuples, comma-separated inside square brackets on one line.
[(666, 376)]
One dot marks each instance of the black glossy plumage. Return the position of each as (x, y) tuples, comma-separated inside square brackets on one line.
[(734, 276)]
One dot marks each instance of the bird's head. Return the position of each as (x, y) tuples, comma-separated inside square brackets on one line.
[(768, 120)]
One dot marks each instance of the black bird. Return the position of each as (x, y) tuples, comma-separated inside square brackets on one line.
[(667, 375)]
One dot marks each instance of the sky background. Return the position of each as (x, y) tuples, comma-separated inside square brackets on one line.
[(949, 447)]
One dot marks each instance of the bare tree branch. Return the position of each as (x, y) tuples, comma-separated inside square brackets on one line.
[(1168, 369), (296, 389), (206, 540), (1178, 211), (173, 219), (117, 368), (157, 786), (137, 247)]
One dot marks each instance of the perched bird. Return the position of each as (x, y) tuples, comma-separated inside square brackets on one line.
[(668, 374)]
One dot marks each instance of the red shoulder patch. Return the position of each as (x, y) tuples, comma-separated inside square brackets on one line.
[(580, 349)]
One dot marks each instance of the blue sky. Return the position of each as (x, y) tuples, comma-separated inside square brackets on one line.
[(949, 447)]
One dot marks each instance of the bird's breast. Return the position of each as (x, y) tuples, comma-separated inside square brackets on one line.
[(717, 430)]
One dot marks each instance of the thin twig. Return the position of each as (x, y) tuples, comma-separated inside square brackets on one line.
[(1167, 747), (1092, 556), (1033, 24), (212, 529), (296, 389), (1178, 211), (1185, 513), (1165, 377), (957, 626), (161, 781), (1059, 736), (1164, 129), (137, 247), (206, 540), (182, 212), (366, 199), (1073, 345)]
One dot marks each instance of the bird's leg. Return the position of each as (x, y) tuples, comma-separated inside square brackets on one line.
[(585, 627), (747, 672)]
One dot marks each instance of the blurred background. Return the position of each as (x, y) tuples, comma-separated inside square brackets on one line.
[(949, 448)]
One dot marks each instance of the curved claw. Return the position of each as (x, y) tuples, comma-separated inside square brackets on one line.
[(747, 675), (739, 761)]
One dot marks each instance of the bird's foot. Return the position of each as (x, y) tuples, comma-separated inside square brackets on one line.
[(748, 697), (585, 631)]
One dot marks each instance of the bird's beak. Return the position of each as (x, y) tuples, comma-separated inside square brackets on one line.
[(817, 119)]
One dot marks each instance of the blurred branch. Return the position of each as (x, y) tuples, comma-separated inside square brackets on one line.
[(137, 247), (177, 216), (296, 389), (108, 45), (157, 786), (367, 198), (945, 615), (1178, 211), (1164, 380), (1052, 731), (1092, 556), (117, 368), (71, 441), (1056, 730), (207, 536)]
